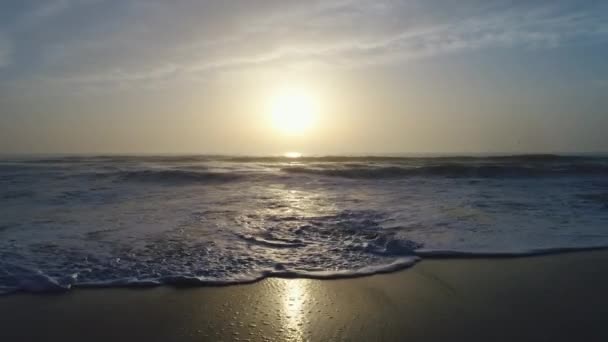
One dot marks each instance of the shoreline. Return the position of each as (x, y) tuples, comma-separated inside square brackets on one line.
[(399, 265), (555, 297)]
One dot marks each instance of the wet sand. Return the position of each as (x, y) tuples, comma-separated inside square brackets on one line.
[(545, 298)]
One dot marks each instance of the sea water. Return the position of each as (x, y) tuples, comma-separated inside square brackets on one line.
[(150, 220)]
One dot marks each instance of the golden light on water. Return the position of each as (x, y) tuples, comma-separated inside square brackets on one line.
[(293, 111), (293, 155)]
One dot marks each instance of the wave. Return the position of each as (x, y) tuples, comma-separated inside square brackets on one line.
[(77, 159), (407, 159), (35, 281), (165, 176), (175, 176), (454, 170), (205, 169), (90, 225), (450, 254)]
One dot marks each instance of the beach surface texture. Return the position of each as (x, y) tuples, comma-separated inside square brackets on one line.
[(543, 298)]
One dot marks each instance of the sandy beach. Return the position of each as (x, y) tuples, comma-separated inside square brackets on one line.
[(544, 298)]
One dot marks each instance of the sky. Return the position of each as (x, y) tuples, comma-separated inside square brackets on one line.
[(189, 76)]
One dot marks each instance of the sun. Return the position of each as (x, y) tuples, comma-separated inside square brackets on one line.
[(293, 111)]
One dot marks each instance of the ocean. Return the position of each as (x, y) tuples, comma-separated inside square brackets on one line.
[(101, 221)]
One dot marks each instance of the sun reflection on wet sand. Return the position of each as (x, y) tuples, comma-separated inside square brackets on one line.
[(294, 299)]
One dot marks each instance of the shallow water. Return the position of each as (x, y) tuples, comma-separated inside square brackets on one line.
[(116, 221)]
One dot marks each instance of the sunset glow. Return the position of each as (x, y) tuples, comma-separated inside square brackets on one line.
[(293, 155), (293, 111)]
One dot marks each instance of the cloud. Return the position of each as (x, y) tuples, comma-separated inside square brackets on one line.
[(50, 8), (600, 83), (43, 11), (5, 51), (143, 41)]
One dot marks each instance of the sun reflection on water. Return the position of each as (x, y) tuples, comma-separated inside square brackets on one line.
[(293, 155)]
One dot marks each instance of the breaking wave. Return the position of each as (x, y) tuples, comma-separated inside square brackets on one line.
[(175, 176), (454, 170), (343, 244)]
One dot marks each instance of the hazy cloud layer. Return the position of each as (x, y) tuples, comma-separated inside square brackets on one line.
[(5, 51), (391, 76), (97, 41)]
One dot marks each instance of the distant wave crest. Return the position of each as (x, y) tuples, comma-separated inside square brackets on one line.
[(454, 170), (175, 176)]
